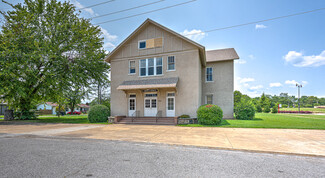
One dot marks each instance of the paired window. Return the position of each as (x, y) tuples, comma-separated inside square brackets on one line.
[(208, 74), (171, 63), (131, 67), (151, 66), (142, 44), (209, 99)]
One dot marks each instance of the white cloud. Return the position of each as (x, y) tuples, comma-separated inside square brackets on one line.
[(256, 87), (251, 56), (245, 80), (241, 61), (293, 83), (107, 35), (194, 34), (275, 84), (260, 26), (82, 7), (297, 59), (108, 39)]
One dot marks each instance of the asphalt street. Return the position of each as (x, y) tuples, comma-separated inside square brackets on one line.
[(33, 156)]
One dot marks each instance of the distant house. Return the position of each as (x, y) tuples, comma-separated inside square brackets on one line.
[(47, 108), (50, 108)]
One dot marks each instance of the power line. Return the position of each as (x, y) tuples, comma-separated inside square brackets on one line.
[(96, 4), (265, 20), (127, 9), (145, 12)]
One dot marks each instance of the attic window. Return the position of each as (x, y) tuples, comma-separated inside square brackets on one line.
[(142, 44)]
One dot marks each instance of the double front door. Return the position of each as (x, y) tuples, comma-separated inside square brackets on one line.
[(150, 106)]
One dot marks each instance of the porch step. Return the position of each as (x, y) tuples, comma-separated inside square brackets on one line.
[(148, 121)]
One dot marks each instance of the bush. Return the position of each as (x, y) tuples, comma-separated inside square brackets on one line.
[(284, 105), (98, 113), (267, 109), (209, 114), (184, 116), (275, 109), (25, 115), (245, 110), (259, 108)]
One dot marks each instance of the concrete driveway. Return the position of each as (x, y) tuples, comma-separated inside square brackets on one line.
[(288, 141)]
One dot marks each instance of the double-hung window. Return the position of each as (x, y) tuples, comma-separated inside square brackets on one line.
[(143, 67), (151, 66), (171, 63), (131, 67), (209, 99), (209, 74)]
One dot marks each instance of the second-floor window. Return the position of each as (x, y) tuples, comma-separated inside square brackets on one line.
[(131, 67), (171, 63), (209, 74), (151, 66)]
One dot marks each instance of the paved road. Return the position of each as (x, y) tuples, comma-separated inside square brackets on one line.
[(34, 156)]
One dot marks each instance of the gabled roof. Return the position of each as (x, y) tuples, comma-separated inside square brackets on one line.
[(143, 25), (221, 55)]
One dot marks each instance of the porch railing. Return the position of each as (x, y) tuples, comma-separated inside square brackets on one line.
[(135, 115), (158, 115)]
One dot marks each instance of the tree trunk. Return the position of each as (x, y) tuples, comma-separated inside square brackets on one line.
[(9, 115)]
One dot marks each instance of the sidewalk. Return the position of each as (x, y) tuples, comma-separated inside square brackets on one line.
[(289, 141)]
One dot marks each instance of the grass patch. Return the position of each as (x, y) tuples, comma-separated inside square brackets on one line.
[(316, 110), (71, 119), (1, 116), (279, 121)]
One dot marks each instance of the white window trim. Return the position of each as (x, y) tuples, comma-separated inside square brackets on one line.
[(155, 67), (206, 80), (134, 67), (167, 101), (174, 64), (206, 98), (140, 42)]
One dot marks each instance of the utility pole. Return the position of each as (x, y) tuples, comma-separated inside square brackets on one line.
[(299, 86)]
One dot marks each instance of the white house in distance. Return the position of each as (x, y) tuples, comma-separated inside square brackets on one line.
[(47, 108), (50, 108)]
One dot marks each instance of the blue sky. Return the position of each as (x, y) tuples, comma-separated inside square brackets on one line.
[(275, 55)]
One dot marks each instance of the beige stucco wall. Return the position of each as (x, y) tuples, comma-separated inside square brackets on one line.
[(188, 69), (222, 86)]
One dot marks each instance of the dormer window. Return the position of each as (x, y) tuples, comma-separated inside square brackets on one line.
[(142, 45)]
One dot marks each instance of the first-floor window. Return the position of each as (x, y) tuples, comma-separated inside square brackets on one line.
[(209, 74), (209, 99)]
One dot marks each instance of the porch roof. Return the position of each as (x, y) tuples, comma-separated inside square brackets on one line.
[(149, 84)]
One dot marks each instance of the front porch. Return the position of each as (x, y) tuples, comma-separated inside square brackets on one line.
[(150, 99)]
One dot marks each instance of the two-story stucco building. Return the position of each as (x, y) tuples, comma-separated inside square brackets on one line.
[(158, 70)]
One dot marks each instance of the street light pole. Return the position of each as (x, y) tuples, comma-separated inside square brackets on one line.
[(299, 86)]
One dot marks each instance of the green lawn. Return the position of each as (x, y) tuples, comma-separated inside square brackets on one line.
[(1, 116), (280, 121), (317, 110), (71, 119)]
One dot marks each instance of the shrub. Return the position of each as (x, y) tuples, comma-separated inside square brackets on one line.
[(259, 108), (25, 115), (274, 109), (98, 113), (245, 110), (209, 114), (266, 109), (284, 105), (184, 116)]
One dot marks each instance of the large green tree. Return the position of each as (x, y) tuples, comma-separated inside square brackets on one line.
[(43, 44)]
